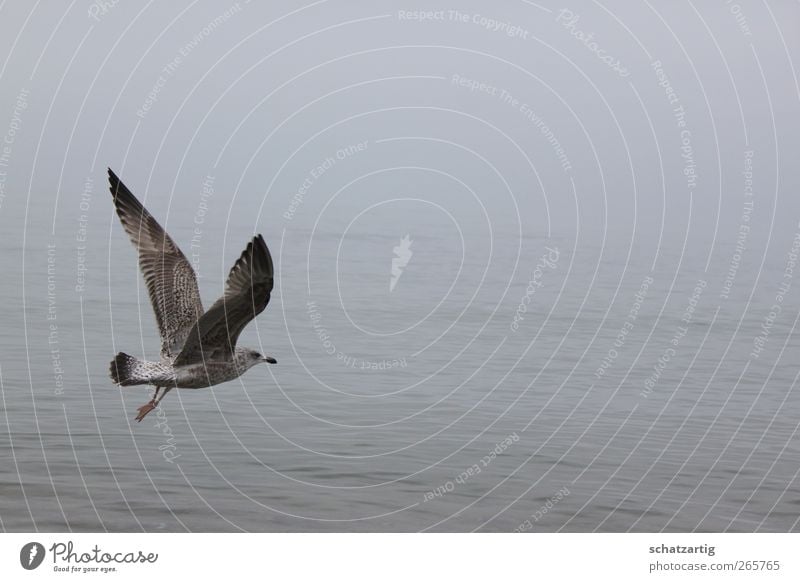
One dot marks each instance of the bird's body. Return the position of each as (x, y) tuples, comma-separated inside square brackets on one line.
[(198, 348), (129, 371)]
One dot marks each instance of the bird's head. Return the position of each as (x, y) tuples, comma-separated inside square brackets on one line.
[(256, 358)]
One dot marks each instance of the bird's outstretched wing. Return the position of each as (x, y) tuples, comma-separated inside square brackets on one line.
[(170, 279), (247, 292)]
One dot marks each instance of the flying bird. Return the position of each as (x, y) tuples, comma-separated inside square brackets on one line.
[(198, 348)]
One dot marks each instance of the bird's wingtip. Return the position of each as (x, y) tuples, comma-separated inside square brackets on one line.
[(113, 180), (263, 244)]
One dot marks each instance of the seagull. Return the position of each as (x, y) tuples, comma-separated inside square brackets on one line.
[(198, 349)]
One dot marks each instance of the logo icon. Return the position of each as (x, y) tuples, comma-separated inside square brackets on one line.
[(403, 254), (31, 555)]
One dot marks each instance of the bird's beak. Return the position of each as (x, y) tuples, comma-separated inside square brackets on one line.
[(270, 360)]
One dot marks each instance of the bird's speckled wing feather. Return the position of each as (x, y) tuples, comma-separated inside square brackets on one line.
[(247, 293), (170, 279)]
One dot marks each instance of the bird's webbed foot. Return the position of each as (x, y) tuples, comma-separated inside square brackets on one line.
[(144, 410)]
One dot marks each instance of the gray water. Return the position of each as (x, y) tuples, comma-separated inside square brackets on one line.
[(594, 329), (317, 443)]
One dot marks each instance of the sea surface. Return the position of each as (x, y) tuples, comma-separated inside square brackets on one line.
[(510, 379)]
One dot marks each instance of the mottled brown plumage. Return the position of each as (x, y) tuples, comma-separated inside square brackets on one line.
[(170, 279), (247, 292), (198, 349)]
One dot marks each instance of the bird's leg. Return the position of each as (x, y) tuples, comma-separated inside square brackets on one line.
[(144, 410), (166, 391)]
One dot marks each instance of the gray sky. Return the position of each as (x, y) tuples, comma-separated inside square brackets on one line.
[(560, 113)]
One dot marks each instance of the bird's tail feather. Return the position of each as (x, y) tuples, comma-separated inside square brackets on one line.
[(124, 371)]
